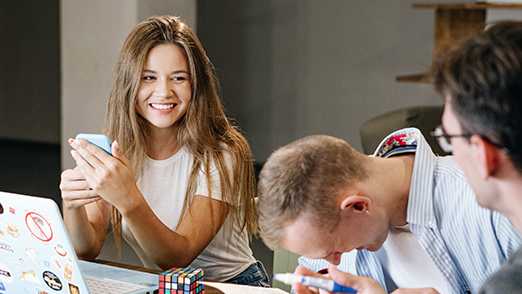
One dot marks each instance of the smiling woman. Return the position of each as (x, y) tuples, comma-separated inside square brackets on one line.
[(179, 186), (164, 92)]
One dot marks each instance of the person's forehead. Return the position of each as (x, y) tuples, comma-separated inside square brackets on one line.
[(301, 236), (449, 118)]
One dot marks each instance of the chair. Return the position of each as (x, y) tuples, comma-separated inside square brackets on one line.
[(425, 118)]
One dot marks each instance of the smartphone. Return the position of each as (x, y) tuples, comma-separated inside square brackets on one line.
[(99, 140)]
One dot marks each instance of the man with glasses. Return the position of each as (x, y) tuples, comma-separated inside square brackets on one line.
[(481, 81), (404, 217)]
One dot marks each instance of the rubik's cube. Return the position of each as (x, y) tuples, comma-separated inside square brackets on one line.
[(181, 281)]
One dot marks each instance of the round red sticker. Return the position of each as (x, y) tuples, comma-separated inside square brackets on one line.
[(39, 227)]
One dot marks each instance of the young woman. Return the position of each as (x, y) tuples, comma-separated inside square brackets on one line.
[(179, 186)]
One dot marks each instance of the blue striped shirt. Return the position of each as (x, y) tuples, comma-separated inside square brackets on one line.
[(466, 242)]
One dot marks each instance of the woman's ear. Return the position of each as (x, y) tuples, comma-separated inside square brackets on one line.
[(356, 203)]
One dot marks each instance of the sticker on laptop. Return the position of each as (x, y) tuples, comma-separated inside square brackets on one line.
[(73, 289), (29, 276), (39, 227), (12, 229), (60, 250), (52, 280), (32, 252), (5, 274), (6, 247)]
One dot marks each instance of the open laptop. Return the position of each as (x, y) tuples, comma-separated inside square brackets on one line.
[(36, 254)]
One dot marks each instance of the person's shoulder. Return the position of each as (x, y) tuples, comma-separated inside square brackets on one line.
[(507, 279)]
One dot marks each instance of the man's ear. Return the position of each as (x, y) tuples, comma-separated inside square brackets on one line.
[(486, 155), (356, 203)]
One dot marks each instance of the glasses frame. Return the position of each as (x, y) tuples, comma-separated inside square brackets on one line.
[(444, 139)]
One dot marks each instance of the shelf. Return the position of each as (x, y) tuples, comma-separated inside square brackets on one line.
[(468, 6), (454, 23), (418, 78)]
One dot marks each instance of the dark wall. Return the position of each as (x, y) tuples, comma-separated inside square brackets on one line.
[(30, 97), (30, 70), (236, 37)]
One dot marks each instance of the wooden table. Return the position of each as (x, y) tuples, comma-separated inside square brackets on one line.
[(208, 289)]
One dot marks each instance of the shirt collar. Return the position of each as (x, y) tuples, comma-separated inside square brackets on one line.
[(411, 140)]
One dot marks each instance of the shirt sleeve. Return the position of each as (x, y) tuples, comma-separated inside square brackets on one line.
[(202, 188)]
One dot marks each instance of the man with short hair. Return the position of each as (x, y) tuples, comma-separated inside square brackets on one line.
[(320, 198), (481, 81)]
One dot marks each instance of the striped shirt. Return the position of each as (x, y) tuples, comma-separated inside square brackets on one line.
[(466, 242)]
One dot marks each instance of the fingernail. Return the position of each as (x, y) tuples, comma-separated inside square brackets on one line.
[(73, 153)]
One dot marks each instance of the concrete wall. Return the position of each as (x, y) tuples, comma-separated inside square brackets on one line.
[(290, 68)]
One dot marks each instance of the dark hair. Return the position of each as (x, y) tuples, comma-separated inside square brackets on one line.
[(482, 78)]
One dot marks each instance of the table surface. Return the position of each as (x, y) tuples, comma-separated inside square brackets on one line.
[(208, 289)]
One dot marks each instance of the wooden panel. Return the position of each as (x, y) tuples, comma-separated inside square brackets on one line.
[(468, 6), (454, 25)]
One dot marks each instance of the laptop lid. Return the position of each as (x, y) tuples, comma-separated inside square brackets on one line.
[(36, 254)]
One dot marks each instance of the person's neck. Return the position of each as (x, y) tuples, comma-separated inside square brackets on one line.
[(393, 176), (163, 143), (510, 201)]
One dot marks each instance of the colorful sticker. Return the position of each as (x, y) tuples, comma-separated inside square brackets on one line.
[(29, 276), (5, 274), (40, 291), (2, 287), (60, 250), (52, 280), (12, 229), (11, 210), (73, 289), (39, 227), (56, 262), (68, 271), (6, 247), (32, 252)]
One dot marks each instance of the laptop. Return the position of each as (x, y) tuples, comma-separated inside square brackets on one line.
[(36, 254)]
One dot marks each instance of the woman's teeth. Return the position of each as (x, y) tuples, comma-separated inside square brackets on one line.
[(162, 106)]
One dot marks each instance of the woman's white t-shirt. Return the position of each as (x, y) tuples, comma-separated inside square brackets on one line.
[(163, 184)]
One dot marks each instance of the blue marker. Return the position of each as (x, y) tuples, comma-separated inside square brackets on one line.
[(325, 284)]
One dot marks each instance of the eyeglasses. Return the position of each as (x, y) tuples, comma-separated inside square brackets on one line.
[(444, 139)]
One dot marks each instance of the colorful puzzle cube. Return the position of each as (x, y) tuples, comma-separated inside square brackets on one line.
[(181, 281)]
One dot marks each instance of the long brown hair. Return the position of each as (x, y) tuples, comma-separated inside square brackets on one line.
[(204, 129)]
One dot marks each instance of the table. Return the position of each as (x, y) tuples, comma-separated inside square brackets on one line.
[(208, 289)]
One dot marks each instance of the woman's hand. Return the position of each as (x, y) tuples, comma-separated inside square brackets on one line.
[(111, 177), (76, 191)]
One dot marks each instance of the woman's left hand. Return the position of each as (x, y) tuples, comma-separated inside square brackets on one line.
[(111, 177)]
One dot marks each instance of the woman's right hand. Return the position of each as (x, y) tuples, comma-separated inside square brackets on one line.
[(76, 191)]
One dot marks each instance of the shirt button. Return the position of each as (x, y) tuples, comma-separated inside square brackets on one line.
[(432, 224)]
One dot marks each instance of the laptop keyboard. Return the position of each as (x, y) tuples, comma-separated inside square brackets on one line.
[(102, 286)]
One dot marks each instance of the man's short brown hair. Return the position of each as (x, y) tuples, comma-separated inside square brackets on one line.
[(304, 178)]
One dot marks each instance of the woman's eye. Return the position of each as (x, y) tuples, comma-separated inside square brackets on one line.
[(147, 78), (179, 79)]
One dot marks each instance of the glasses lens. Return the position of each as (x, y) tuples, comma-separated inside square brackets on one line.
[(443, 139)]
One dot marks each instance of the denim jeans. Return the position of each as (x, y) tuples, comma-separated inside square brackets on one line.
[(254, 275)]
